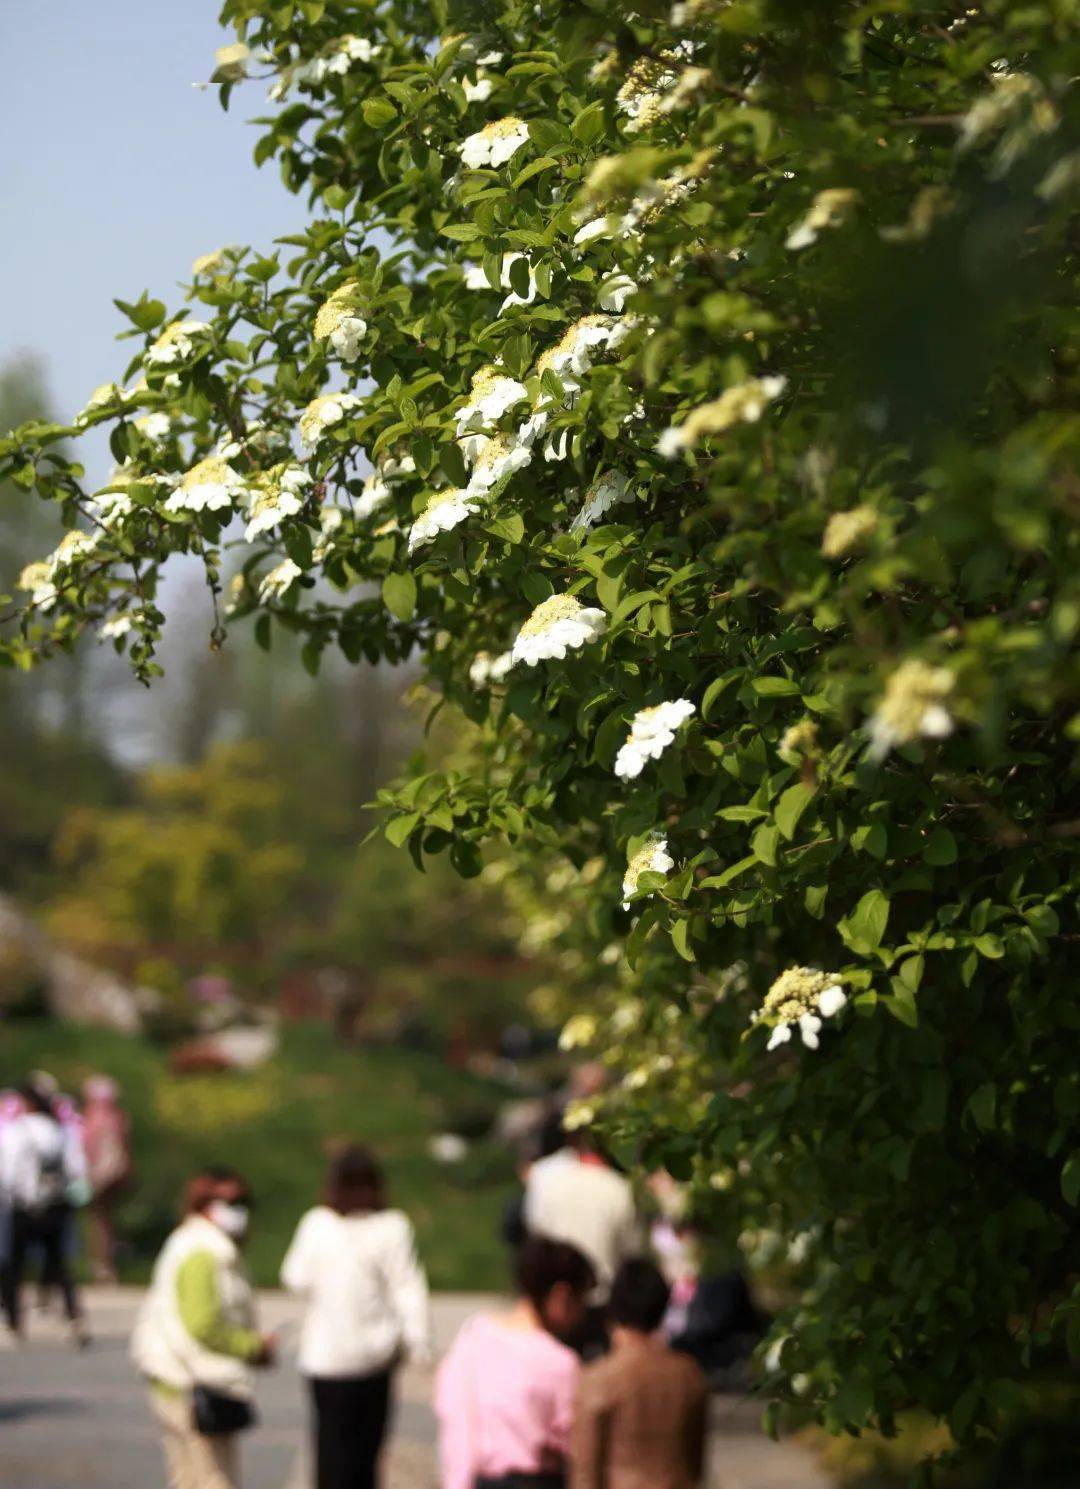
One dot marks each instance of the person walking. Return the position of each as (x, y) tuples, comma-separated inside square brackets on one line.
[(504, 1394), (196, 1342), (355, 1264), (107, 1142), (40, 1170), (576, 1195), (640, 1413)]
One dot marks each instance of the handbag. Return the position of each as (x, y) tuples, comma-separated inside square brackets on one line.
[(214, 1414)]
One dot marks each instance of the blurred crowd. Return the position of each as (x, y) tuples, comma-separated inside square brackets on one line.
[(58, 1154)]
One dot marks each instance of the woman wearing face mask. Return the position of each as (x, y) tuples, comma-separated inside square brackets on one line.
[(195, 1340), (505, 1391)]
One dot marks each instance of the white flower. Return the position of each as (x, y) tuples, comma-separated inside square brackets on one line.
[(615, 292), (478, 92), (103, 396), (379, 485), (176, 342), (831, 1001), (847, 530), (485, 669), (232, 60), (444, 510), (558, 446), (339, 322), (572, 356), (608, 489), (209, 263), (279, 580), (448, 1147), (652, 858), (276, 495), (496, 461), (115, 627), (322, 412), (829, 209), (597, 227), (496, 143), (651, 731), (476, 279), (800, 998), (742, 403), (155, 427), (336, 63), (641, 97), (557, 624), (490, 395), (912, 705), (210, 486), (39, 580)]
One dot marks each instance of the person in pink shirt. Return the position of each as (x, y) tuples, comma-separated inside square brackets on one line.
[(505, 1392)]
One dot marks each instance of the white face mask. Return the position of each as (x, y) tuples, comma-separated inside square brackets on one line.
[(232, 1219)]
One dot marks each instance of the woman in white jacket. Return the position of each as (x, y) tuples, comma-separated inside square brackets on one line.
[(356, 1265), (196, 1329)]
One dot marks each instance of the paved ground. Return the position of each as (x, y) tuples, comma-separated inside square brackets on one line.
[(72, 1420)]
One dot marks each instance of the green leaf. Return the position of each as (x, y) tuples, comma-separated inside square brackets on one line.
[(1070, 1179), (776, 687), (399, 595), (941, 849), (453, 464), (792, 804), (378, 112), (589, 124), (764, 843), (864, 928), (680, 939), (990, 946), (399, 828)]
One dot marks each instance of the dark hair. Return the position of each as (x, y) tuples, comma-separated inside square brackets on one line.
[(203, 1187), (38, 1100), (541, 1265), (639, 1296), (354, 1181)]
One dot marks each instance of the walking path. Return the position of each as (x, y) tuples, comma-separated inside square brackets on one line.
[(70, 1419)]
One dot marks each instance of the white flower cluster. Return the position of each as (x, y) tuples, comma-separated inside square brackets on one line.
[(210, 486), (651, 731), (743, 403), (108, 395), (176, 343), (1018, 108), (324, 412), (444, 511), (486, 668), (829, 209), (559, 623), (338, 322), (642, 96), (276, 494), (651, 858), (495, 144), (912, 705), (379, 486), (491, 394), (335, 63), (800, 998), (605, 492), (276, 584), (42, 580), (847, 530), (494, 461)]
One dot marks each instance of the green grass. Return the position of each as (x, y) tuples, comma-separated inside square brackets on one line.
[(274, 1124)]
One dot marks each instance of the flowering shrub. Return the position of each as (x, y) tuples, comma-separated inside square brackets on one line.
[(692, 389)]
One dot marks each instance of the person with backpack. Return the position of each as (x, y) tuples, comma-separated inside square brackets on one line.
[(40, 1171)]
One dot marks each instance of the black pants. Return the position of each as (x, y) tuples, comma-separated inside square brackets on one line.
[(351, 1416), (45, 1230)]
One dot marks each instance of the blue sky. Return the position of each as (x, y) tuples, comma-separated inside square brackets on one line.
[(117, 173)]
